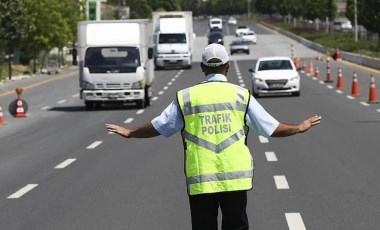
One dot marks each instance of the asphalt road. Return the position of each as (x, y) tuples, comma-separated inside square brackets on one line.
[(60, 169)]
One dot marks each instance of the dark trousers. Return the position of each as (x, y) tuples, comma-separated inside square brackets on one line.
[(204, 211)]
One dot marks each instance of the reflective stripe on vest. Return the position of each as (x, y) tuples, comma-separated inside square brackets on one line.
[(217, 158)]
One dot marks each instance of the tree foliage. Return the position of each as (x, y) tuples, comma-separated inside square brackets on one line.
[(12, 24)]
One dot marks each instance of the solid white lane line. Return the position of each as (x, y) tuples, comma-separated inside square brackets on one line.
[(263, 139), (271, 156), (129, 120), (65, 163), (61, 101), (154, 98), (22, 191), (94, 145), (295, 221), (46, 108), (140, 111), (281, 182)]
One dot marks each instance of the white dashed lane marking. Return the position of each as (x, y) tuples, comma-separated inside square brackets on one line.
[(46, 108), (263, 139), (94, 145), (281, 182), (154, 98), (129, 120), (271, 156), (65, 163), (61, 101), (295, 221), (140, 111), (22, 191)]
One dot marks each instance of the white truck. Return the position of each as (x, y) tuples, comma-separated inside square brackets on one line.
[(173, 37), (115, 62)]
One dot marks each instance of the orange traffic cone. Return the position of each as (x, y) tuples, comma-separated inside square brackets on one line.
[(319, 58), (2, 121), (372, 91), (340, 82), (316, 74), (304, 67), (355, 86), (20, 112), (297, 62), (311, 68), (338, 58)]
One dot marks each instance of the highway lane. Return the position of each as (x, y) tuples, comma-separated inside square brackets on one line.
[(139, 184)]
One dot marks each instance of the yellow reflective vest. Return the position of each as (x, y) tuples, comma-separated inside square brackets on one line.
[(216, 156)]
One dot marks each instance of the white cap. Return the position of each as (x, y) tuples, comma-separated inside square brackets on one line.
[(216, 51)]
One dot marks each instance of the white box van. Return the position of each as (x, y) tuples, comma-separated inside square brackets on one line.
[(115, 62), (216, 24)]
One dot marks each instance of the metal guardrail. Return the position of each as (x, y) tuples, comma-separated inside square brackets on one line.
[(347, 56)]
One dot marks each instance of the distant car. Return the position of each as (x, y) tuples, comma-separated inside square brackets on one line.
[(249, 36), (52, 66), (275, 75), (239, 46), (241, 29), (215, 37), (342, 24), (216, 24), (232, 21)]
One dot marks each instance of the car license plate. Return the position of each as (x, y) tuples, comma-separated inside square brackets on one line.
[(276, 86)]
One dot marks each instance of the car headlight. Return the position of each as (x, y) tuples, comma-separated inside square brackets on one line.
[(258, 80), (294, 78), (87, 85), (138, 85)]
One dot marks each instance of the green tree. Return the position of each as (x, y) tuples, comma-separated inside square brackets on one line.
[(12, 27), (369, 17), (51, 23)]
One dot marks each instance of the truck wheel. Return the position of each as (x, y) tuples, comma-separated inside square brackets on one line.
[(140, 104), (89, 105)]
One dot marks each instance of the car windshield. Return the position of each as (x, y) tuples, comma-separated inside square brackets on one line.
[(172, 38), (112, 56), (275, 65), (215, 36), (238, 42), (242, 27)]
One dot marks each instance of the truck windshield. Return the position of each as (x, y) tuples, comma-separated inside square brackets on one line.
[(172, 38), (116, 59)]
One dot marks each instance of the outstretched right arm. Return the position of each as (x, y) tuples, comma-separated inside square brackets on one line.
[(145, 131)]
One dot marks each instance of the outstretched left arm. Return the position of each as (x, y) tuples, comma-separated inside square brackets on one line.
[(284, 130)]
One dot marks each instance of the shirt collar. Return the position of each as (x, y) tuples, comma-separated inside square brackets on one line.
[(215, 77)]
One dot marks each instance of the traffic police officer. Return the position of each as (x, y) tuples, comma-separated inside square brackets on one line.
[(212, 117)]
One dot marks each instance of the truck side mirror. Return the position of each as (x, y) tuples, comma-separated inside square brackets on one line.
[(75, 53), (150, 53)]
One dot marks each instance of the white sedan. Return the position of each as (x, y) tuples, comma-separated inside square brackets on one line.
[(249, 36), (275, 75), (241, 29)]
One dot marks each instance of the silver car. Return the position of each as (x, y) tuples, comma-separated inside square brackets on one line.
[(239, 46)]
